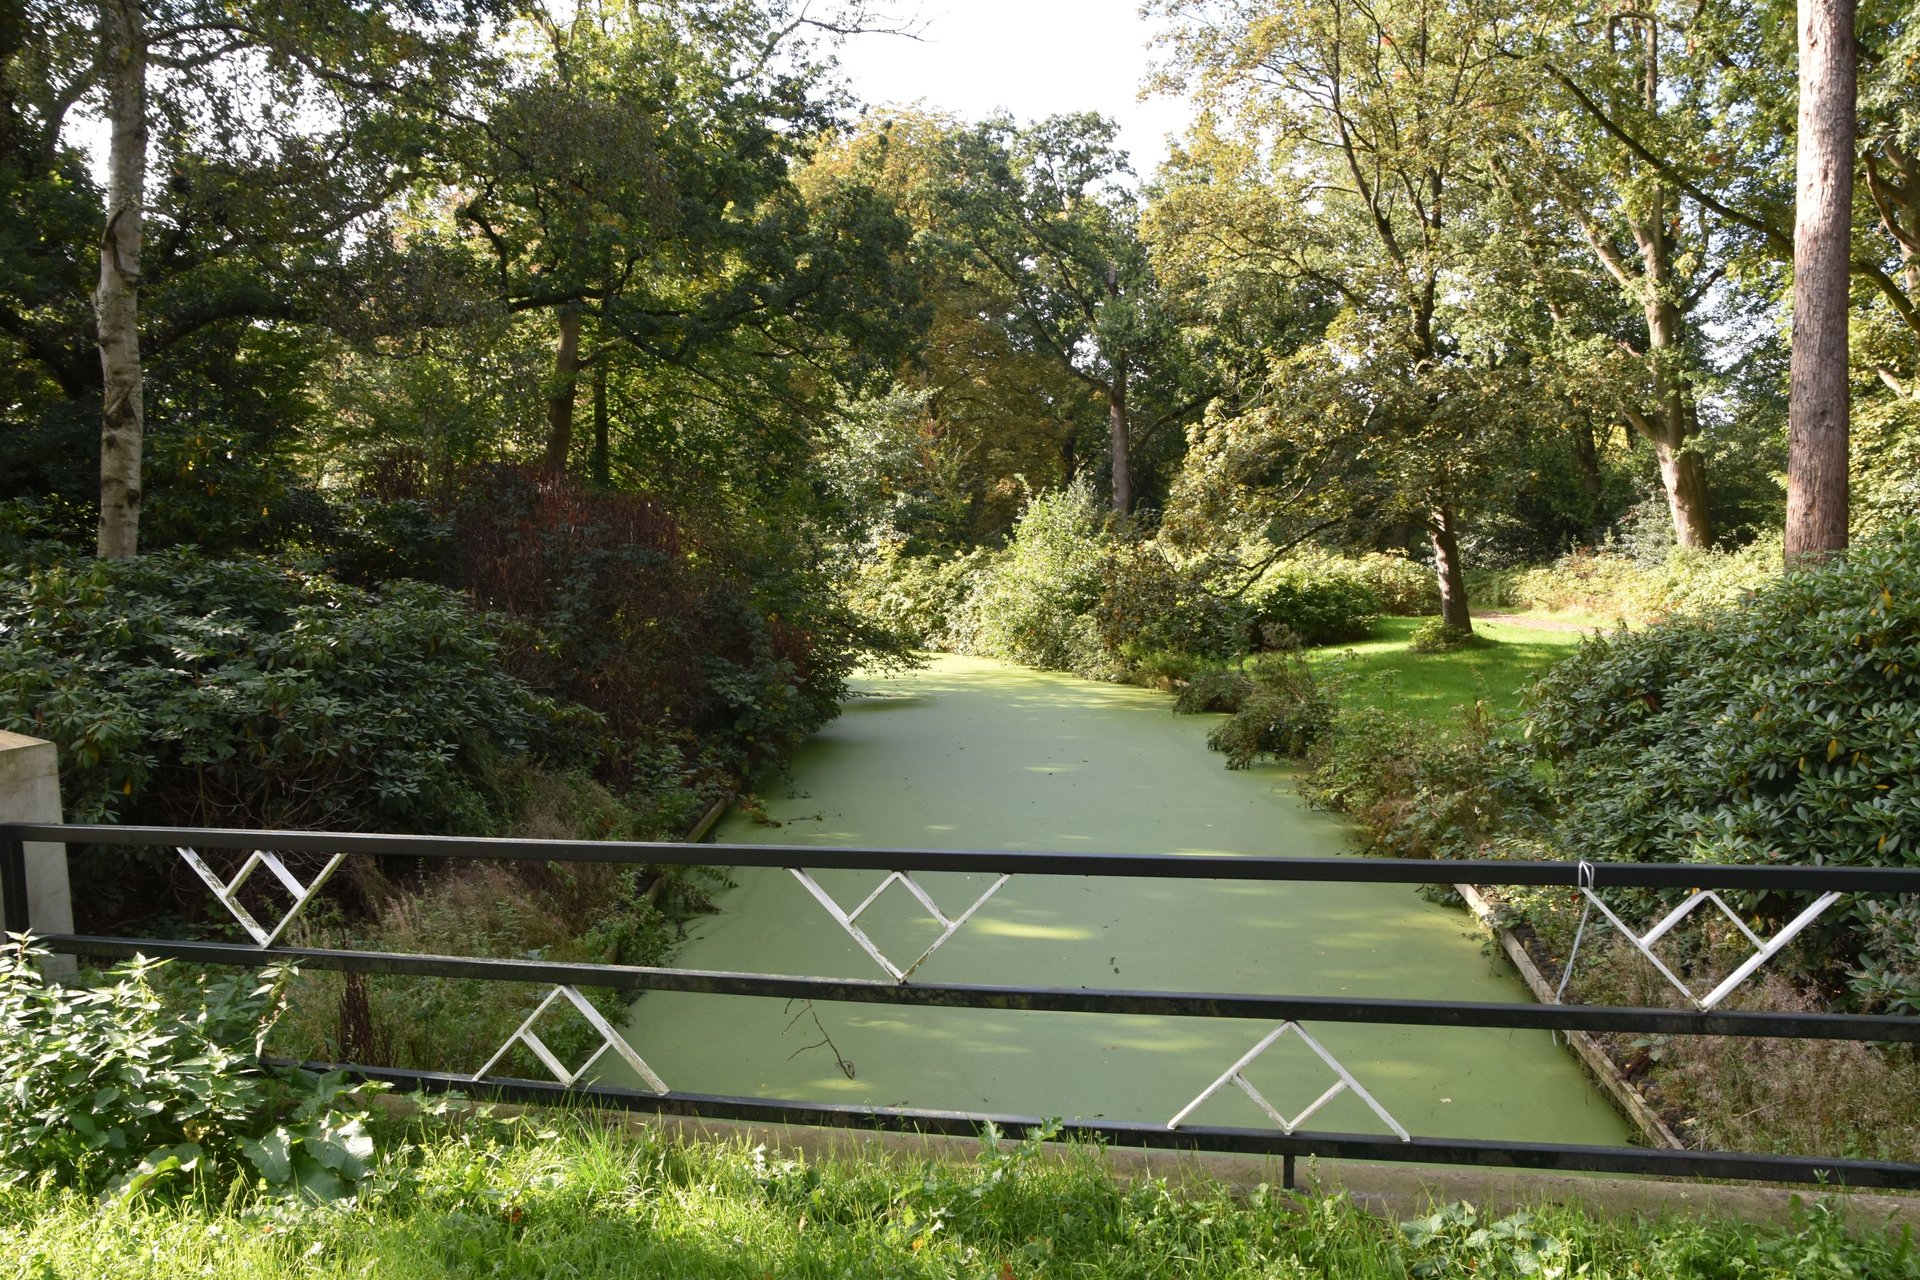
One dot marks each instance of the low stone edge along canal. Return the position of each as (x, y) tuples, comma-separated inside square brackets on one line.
[(975, 754)]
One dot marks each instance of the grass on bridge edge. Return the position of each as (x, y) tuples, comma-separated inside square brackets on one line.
[(556, 1194)]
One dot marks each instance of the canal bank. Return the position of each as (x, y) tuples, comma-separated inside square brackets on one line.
[(971, 753)]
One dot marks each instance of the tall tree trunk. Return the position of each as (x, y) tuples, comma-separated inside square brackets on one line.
[(1117, 429), (1674, 418), (1822, 247), (1683, 474), (602, 468), (565, 387), (116, 300), (1586, 465), (1443, 534)]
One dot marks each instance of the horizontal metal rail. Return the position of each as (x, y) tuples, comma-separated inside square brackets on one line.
[(1623, 875), (1176, 1004)]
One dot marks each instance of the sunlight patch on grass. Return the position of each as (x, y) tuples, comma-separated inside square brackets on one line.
[(1432, 687)]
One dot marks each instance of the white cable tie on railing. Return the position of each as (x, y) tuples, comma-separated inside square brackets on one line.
[(1585, 882)]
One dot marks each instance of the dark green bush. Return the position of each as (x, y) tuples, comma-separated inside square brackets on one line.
[(1417, 794), (1787, 730), (377, 541), (1284, 713), (125, 1087), (724, 659), (1215, 689), (188, 691), (1310, 608)]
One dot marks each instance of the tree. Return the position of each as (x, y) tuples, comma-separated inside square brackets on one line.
[(1641, 75), (1822, 248), (1365, 123), (1041, 216), (635, 187), (252, 77)]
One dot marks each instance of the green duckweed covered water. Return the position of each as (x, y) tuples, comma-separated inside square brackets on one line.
[(974, 754)]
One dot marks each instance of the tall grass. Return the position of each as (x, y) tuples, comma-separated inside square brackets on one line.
[(563, 1197)]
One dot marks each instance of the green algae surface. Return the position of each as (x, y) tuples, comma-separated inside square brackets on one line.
[(975, 754)]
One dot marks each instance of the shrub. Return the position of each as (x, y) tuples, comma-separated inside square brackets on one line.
[(1435, 636), (1785, 731), (399, 538), (1404, 589), (1285, 711), (188, 691), (1034, 605), (680, 659), (564, 912), (1215, 689), (1304, 603), (1147, 604), (1617, 585), (1416, 794), (923, 599), (114, 1085), (1163, 669)]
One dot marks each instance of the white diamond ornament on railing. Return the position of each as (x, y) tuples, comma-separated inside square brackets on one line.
[(850, 920), (609, 1039), (1343, 1082), (228, 891), (1764, 948)]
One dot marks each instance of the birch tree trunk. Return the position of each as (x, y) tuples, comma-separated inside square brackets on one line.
[(1817, 411), (116, 300)]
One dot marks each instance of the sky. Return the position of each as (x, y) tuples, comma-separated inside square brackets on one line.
[(1033, 58)]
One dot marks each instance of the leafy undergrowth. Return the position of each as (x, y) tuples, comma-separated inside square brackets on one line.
[(563, 1196)]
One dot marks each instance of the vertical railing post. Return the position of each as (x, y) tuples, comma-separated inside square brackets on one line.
[(13, 882)]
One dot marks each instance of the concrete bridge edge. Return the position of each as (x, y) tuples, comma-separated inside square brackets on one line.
[(30, 792)]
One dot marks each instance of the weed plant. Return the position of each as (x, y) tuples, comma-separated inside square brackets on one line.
[(125, 1086)]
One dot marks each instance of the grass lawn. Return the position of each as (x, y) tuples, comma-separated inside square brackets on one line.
[(1430, 687), (560, 1197)]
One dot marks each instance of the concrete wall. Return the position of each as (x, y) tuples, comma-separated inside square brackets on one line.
[(30, 792)]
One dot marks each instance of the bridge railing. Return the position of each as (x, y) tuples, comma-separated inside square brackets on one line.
[(1700, 887)]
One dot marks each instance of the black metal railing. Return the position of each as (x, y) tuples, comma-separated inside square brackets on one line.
[(1264, 1008)]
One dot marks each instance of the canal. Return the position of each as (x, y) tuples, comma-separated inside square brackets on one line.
[(974, 754)]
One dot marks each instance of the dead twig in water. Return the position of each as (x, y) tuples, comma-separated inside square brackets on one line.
[(824, 1042)]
